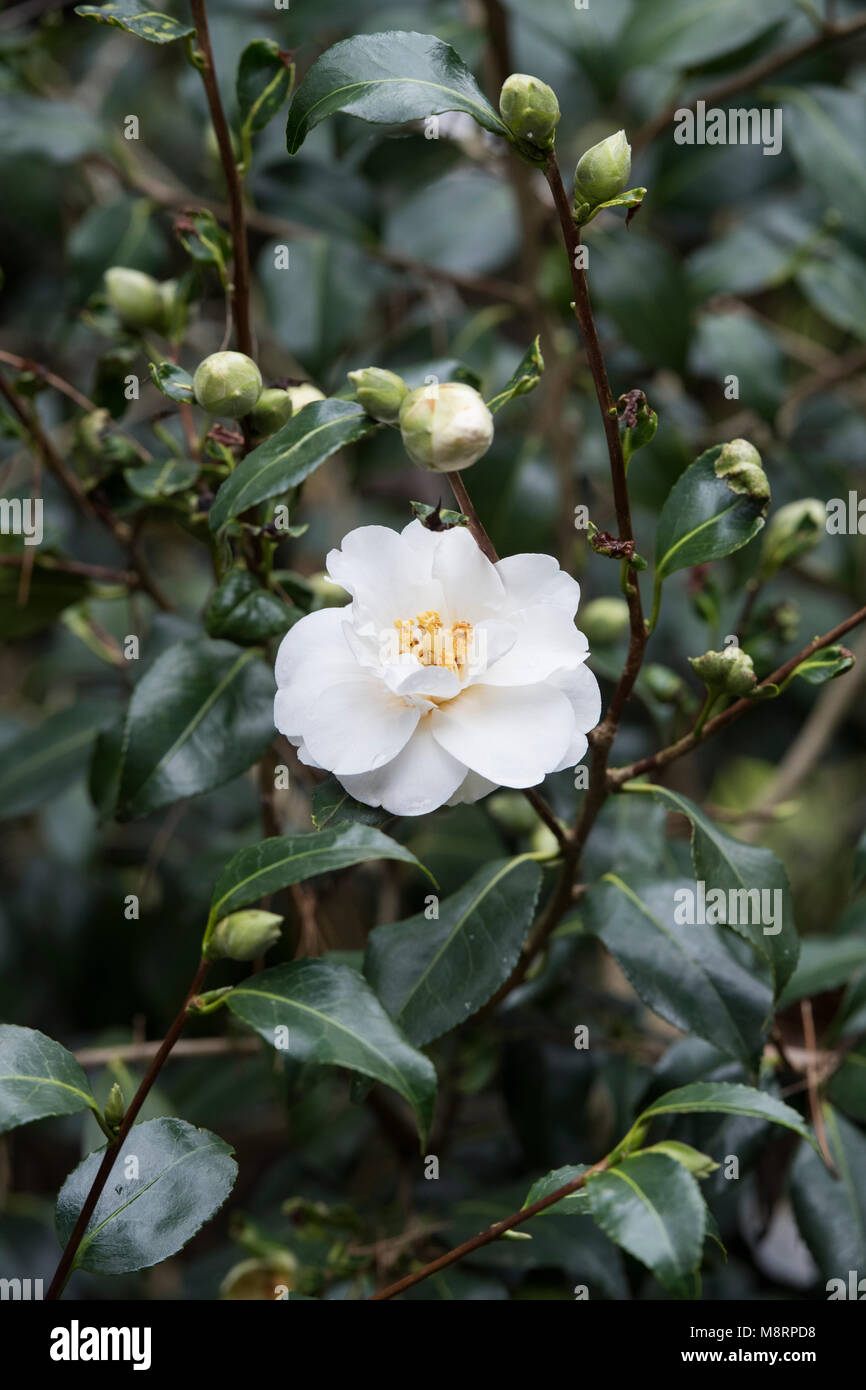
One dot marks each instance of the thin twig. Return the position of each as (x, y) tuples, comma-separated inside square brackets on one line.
[(815, 1110)]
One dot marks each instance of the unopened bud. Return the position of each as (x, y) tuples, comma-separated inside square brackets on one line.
[(134, 296), (271, 411), (792, 532), (601, 173), (445, 427), (227, 384), (604, 620), (261, 1278), (530, 109), (727, 673), (303, 395), (115, 1107), (380, 392), (739, 463), (663, 684), (244, 935)]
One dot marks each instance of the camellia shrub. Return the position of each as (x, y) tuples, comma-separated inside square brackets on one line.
[(432, 756)]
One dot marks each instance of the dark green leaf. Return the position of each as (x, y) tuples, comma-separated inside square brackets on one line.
[(332, 806), (387, 78), (201, 715), (685, 972), (37, 763), (242, 611), (825, 129), (50, 592), (826, 962), (575, 1204), (161, 479), (172, 381), (54, 130), (136, 17), (38, 1077), (276, 863), (263, 82), (727, 1098), (652, 1207), (724, 863), (524, 378), (704, 519), (825, 665), (183, 1176), (432, 974), (290, 455), (322, 1012), (831, 1211)]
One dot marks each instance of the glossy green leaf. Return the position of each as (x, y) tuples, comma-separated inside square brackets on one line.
[(183, 1176), (242, 611), (685, 972), (290, 455), (825, 665), (727, 1098), (575, 1204), (276, 863), (136, 17), (825, 128), (724, 863), (387, 78), (846, 1088), (322, 1012), (201, 715), (704, 519), (38, 1077), (653, 1208), (701, 1165), (837, 289), (263, 81), (433, 974), (38, 763), (172, 381), (826, 962), (332, 806), (50, 592), (161, 479), (831, 1211)]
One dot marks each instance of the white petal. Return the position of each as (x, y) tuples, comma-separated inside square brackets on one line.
[(357, 726), (513, 735), (546, 641), (534, 579), (472, 588), (407, 677), (385, 574), (472, 788), (421, 777), (313, 656), (581, 688)]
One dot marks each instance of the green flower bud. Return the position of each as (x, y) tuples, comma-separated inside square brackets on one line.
[(227, 384), (604, 620), (663, 684), (260, 1278), (601, 173), (380, 392), (271, 411), (302, 395), (445, 427), (792, 532), (244, 935), (134, 296), (739, 463), (173, 318), (530, 109), (727, 673), (115, 1107)]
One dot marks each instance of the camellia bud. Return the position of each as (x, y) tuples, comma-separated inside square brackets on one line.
[(244, 935), (302, 395), (530, 109), (445, 427), (663, 684), (604, 620), (261, 1278), (727, 673), (115, 1107), (739, 463), (135, 297), (601, 173), (227, 384), (380, 392), (792, 532), (272, 410)]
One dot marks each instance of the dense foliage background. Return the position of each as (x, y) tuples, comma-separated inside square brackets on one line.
[(437, 254)]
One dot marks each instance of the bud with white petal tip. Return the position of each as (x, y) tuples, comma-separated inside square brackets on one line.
[(272, 410), (605, 620), (135, 297), (227, 384), (530, 109), (791, 533), (602, 172), (380, 392), (445, 427), (303, 394), (244, 935)]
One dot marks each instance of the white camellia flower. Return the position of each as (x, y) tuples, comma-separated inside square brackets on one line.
[(446, 676)]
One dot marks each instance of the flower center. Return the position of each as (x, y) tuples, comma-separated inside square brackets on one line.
[(434, 644)]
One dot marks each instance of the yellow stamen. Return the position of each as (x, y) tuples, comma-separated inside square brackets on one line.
[(432, 643)]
